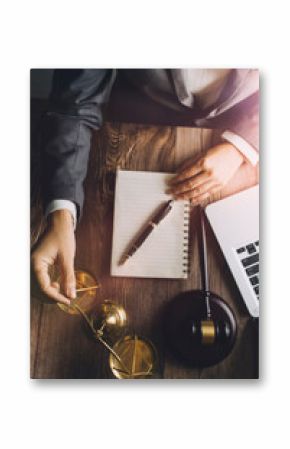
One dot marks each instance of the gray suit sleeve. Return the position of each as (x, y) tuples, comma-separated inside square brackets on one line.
[(75, 109)]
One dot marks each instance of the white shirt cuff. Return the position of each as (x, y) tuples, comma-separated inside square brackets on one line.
[(62, 204), (243, 146)]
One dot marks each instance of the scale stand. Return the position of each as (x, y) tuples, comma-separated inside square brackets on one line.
[(200, 327)]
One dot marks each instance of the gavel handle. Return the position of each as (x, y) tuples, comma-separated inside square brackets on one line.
[(204, 262)]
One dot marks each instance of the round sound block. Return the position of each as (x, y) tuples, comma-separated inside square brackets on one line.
[(187, 310)]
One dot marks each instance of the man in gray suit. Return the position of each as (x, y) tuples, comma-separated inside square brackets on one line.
[(226, 99)]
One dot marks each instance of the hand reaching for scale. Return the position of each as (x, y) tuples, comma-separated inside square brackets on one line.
[(198, 179), (57, 246)]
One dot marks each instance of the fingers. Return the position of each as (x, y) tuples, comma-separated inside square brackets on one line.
[(187, 172), (204, 196), (186, 164), (178, 190), (197, 192), (68, 277), (50, 289)]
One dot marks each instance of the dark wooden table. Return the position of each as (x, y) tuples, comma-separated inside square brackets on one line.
[(60, 345)]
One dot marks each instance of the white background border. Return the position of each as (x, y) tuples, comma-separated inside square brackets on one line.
[(219, 414)]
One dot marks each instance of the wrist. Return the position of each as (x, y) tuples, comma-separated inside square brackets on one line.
[(234, 150), (60, 218), (248, 151)]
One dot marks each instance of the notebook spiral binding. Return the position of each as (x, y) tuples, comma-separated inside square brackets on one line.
[(186, 221)]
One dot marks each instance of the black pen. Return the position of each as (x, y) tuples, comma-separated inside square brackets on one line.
[(144, 234)]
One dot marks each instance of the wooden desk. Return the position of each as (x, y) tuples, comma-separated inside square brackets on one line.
[(60, 345)]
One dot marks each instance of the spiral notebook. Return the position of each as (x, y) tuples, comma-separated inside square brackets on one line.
[(165, 252)]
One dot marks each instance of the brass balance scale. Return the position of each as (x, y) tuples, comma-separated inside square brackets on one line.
[(200, 327), (130, 356)]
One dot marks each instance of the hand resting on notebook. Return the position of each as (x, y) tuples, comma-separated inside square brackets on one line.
[(197, 179)]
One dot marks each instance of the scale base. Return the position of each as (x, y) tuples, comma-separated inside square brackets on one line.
[(187, 310)]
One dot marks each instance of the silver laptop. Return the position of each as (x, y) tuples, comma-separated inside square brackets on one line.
[(235, 222)]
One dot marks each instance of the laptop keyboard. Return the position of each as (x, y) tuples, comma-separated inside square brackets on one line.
[(249, 257)]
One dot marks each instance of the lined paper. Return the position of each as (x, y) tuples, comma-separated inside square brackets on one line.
[(165, 252)]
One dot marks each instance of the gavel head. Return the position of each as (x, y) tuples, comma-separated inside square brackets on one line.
[(208, 331), (196, 340)]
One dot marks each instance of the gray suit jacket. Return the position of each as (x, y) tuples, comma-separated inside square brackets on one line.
[(77, 104)]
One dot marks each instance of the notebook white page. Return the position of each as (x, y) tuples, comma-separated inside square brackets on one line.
[(165, 252)]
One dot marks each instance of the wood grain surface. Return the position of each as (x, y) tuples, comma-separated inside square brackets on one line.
[(61, 346)]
